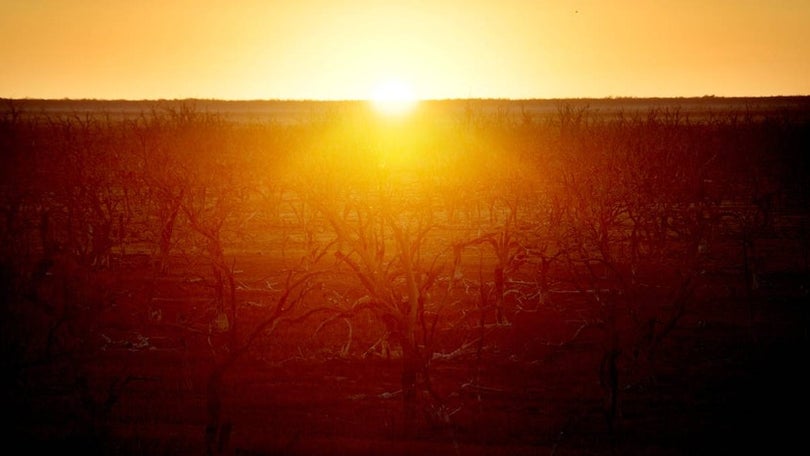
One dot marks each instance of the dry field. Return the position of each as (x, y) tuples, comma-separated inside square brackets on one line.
[(482, 280)]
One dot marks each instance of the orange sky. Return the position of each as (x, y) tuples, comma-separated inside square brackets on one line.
[(330, 49)]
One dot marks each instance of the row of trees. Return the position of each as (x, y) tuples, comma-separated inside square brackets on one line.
[(423, 224)]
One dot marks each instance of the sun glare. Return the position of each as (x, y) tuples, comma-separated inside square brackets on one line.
[(393, 98)]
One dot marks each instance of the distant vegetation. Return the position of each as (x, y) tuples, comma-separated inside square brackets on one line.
[(269, 230)]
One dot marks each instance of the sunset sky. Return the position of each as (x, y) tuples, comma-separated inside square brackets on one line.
[(329, 49)]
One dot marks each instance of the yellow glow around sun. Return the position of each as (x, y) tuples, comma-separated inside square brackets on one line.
[(393, 97)]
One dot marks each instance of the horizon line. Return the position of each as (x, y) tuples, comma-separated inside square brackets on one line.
[(355, 100)]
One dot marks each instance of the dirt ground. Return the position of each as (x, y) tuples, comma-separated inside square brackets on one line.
[(730, 378)]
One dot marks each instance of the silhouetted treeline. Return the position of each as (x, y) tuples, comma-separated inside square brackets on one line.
[(427, 224)]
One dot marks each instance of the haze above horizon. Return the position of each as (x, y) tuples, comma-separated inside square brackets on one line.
[(444, 49)]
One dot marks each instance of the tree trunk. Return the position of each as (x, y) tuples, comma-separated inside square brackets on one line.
[(410, 369), (165, 244), (217, 431), (500, 318)]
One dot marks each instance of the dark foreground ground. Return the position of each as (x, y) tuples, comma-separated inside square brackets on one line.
[(728, 380)]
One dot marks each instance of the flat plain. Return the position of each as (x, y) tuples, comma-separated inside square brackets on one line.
[(616, 276)]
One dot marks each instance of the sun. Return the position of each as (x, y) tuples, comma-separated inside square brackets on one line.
[(393, 97)]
